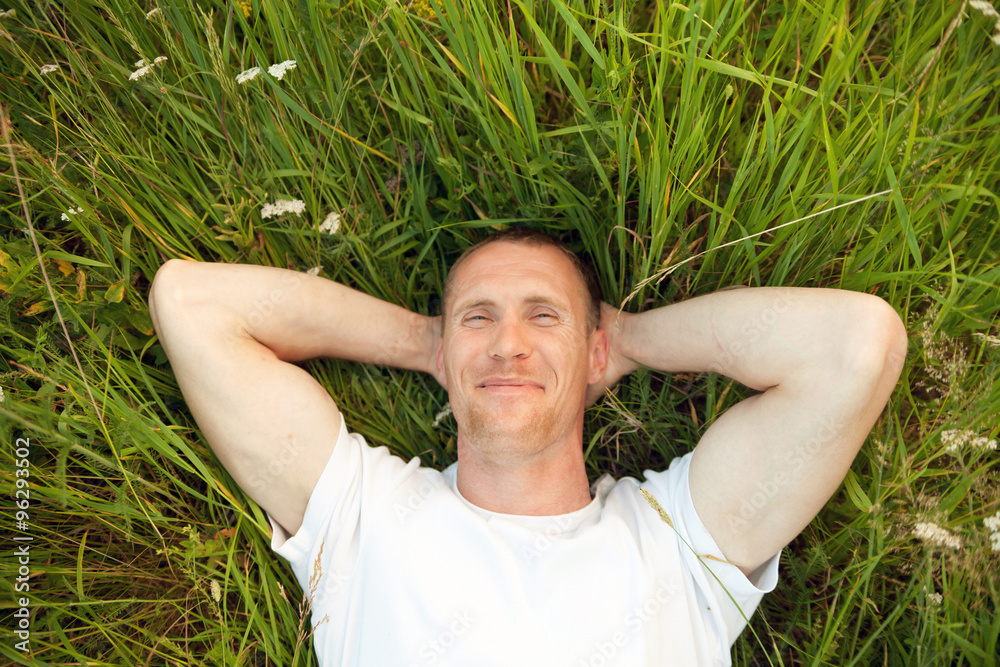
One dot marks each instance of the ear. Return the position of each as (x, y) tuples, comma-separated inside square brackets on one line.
[(441, 376), (599, 346)]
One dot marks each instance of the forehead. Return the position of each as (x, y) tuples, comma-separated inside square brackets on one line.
[(508, 270)]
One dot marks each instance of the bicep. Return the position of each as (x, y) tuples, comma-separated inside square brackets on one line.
[(271, 424), (767, 466)]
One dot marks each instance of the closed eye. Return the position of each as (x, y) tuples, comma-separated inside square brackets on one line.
[(475, 320)]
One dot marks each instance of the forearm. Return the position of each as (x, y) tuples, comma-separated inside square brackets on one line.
[(295, 315), (760, 337)]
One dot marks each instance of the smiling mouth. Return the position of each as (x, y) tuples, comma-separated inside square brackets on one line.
[(498, 384)]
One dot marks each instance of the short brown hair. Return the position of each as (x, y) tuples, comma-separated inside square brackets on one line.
[(534, 237)]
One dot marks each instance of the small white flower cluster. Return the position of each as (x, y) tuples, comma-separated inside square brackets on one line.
[(2, 397), (281, 207), (935, 534), (152, 12), (72, 211), (956, 439), (992, 341), (248, 75), (441, 415), (278, 71), (216, 591), (331, 224), (145, 68), (314, 271), (8, 14), (990, 12), (992, 524), (935, 598), (48, 69)]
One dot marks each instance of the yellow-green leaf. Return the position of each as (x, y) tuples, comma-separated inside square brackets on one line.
[(116, 292), (35, 309)]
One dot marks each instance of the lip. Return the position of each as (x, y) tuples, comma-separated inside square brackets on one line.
[(508, 384)]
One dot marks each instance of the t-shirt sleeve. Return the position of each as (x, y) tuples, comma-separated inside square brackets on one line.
[(356, 479), (720, 584)]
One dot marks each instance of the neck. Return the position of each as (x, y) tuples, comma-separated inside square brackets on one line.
[(550, 482)]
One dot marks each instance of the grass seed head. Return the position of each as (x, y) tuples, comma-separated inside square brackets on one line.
[(656, 506)]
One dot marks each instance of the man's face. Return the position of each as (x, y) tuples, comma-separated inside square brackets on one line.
[(516, 349)]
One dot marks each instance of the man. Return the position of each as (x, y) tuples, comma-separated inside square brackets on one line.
[(509, 557)]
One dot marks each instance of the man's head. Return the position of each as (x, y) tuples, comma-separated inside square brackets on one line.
[(535, 238), (520, 346)]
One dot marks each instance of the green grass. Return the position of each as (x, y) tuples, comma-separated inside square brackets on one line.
[(645, 133)]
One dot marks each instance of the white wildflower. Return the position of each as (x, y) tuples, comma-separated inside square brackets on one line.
[(278, 71), (248, 75), (314, 271), (331, 224), (982, 443), (935, 598), (145, 68), (139, 73), (935, 534), (48, 69), (281, 207), (441, 415), (990, 12), (992, 524), (72, 211), (152, 12), (2, 397), (957, 439), (992, 341), (216, 590), (954, 439), (9, 14), (985, 8)]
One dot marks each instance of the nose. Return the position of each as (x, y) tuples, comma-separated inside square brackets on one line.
[(510, 339)]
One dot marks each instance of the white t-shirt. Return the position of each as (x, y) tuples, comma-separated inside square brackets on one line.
[(404, 572)]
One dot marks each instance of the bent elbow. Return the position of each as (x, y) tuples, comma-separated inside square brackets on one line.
[(879, 343), (167, 289), (896, 333)]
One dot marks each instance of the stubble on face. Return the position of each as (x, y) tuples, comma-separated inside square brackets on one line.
[(504, 437)]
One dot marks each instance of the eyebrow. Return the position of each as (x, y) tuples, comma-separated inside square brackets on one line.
[(531, 301)]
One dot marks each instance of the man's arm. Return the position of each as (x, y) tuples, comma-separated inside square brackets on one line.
[(231, 333), (826, 361)]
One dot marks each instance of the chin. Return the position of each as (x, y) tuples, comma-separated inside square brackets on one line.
[(493, 437)]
